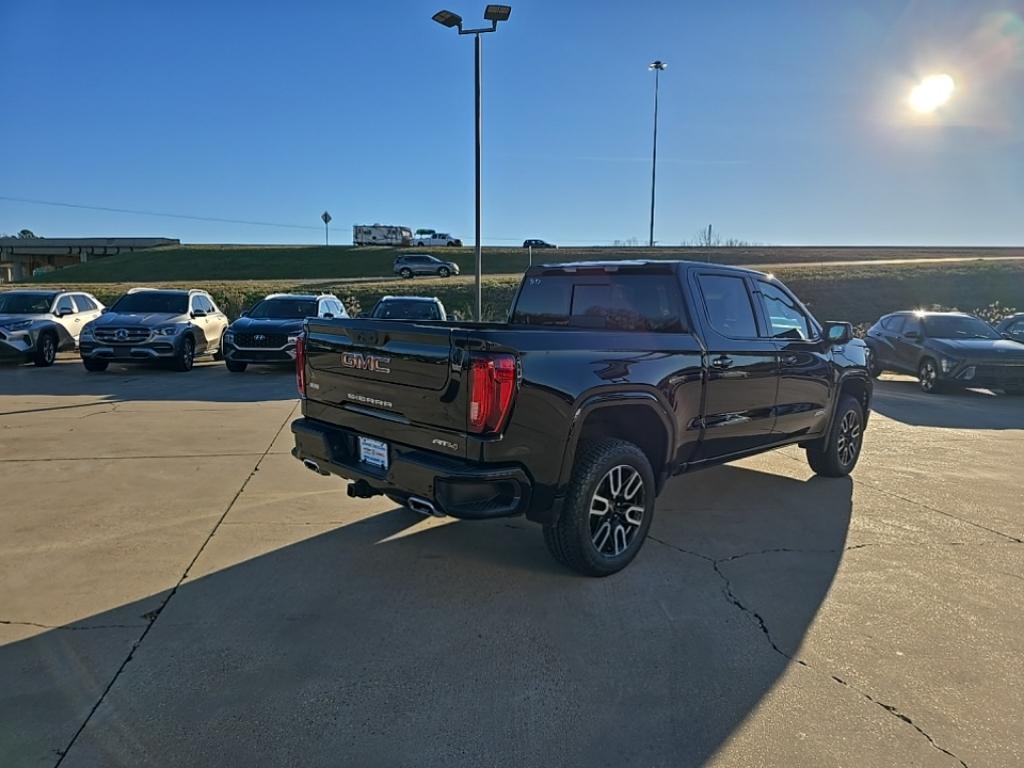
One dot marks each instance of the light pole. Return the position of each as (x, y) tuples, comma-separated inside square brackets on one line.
[(493, 14), (657, 66)]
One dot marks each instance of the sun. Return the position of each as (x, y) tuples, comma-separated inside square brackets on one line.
[(931, 93)]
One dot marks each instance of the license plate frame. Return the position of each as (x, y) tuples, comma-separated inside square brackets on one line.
[(373, 452)]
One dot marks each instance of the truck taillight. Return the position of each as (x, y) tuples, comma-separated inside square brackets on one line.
[(492, 382), (300, 364)]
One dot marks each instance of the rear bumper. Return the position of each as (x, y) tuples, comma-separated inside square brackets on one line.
[(456, 487)]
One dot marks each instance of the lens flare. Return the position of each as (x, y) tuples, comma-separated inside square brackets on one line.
[(931, 93)]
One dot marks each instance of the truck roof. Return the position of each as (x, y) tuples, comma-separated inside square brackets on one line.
[(658, 265)]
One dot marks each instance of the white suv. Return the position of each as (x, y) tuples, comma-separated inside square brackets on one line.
[(36, 324)]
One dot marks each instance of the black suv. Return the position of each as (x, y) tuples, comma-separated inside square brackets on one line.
[(267, 332), (946, 350), (154, 325), (608, 379)]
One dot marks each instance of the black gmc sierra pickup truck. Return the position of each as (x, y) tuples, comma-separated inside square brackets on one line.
[(607, 379)]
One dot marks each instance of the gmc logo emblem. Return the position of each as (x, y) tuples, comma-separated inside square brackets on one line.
[(359, 361)]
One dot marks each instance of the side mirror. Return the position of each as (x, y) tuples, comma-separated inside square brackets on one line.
[(245, 313), (64, 312), (838, 333), (327, 315), (104, 310), (1008, 335), (198, 313)]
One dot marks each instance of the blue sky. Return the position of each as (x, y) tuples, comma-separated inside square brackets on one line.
[(781, 122)]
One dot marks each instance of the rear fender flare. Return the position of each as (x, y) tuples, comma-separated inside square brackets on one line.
[(592, 402)]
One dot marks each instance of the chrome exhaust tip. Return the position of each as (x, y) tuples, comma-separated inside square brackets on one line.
[(312, 466), (424, 507)]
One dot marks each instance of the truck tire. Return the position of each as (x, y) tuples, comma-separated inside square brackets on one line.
[(94, 365), (836, 454), (607, 511), (46, 350)]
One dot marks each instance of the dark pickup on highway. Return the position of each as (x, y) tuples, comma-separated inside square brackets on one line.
[(607, 379)]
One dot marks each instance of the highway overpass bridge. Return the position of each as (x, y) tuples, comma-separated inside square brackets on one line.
[(19, 257)]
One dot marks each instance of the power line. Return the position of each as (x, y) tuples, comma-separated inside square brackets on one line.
[(161, 214)]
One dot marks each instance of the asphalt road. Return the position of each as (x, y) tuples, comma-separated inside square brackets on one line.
[(176, 590)]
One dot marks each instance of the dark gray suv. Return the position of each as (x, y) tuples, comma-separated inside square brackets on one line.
[(411, 264)]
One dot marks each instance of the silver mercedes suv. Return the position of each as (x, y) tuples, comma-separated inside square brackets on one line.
[(36, 324), (154, 325)]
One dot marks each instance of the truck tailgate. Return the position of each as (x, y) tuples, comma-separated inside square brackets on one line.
[(396, 371)]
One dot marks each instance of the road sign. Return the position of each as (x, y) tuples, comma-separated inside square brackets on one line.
[(326, 217)]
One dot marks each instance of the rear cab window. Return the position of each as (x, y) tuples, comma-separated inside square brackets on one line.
[(613, 300)]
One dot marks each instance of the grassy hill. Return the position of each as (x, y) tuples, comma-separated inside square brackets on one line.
[(859, 293), (244, 262)]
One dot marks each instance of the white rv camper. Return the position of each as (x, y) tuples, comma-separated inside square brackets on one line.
[(381, 234)]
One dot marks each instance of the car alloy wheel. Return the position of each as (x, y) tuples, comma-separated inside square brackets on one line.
[(928, 375), (49, 350), (444, 272), (848, 440), (617, 510)]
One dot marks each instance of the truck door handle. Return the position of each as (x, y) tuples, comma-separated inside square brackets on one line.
[(722, 361)]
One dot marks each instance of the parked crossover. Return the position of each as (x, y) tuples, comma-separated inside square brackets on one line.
[(946, 350), (35, 325), (409, 308), (154, 325), (267, 332), (410, 265)]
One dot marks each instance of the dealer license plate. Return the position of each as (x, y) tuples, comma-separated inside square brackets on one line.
[(373, 452)]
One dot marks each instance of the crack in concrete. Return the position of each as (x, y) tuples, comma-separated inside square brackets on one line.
[(154, 615), (733, 599), (68, 627)]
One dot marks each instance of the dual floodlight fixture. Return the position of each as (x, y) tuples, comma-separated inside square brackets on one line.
[(658, 65), (492, 13)]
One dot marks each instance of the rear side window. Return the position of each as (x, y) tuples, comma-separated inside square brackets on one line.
[(728, 305), (614, 302), (893, 323)]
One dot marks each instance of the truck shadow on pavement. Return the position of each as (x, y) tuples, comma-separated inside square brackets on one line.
[(961, 409), (207, 382), (398, 641)]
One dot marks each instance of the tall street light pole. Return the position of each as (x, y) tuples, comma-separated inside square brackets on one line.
[(657, 66), (493, 14)]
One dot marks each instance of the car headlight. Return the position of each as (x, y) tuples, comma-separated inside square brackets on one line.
[(87, 331), (948, 364), (18, 325), (293, 339), (229, 337), (169, 330)]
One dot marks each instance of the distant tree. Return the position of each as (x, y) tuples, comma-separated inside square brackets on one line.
[(708, 238), (27, 234)]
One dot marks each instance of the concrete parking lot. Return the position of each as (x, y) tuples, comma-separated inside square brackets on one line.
[(175, 589)]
